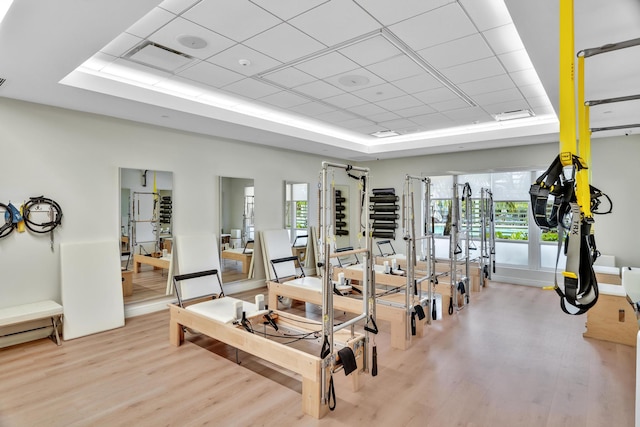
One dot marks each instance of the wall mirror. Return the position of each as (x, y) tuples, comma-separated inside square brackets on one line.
[(146, 219), (296, 217), (237, 234)]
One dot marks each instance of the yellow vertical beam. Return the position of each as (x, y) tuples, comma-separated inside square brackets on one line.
[(583, 192), (566, 82)]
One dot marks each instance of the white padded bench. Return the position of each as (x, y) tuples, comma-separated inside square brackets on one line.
[(28, 322)]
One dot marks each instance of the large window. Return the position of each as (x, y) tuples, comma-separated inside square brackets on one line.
[(511, 220)]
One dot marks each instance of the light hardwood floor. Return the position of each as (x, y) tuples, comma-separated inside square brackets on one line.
[(511, 358)]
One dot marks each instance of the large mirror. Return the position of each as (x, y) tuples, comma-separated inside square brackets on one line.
[(237, 234), (296, 217), (146, 219)]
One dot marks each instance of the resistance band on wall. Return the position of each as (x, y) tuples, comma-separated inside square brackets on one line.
[(39, 214)]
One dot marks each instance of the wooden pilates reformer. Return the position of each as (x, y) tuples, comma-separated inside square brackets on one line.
[(232, 321)]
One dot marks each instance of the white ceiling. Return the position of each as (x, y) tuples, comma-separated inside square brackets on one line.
[(322, 74)]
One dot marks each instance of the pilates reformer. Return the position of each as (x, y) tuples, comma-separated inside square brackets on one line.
[(253, 328), (243, 255)]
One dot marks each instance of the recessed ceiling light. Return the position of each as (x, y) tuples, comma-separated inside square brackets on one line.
[(353, 80), (384, 133), (192, 42)]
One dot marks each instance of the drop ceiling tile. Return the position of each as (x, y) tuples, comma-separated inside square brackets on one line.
[(154, 56), (435, 95), (334, 22), (499, 96), (177, 6), (284, 99), (503, 39), (287, 9), (396, 68), (487, 14), (166, 36), (150, 22), (414, 111), (437, 26), (451, 104), (313, 109), (533, 91), (284, 43), (383, 117), (230, 57), (468, 115), (507, 106), (455, 52), (525, 77), (367, 110), (356, 123), (418, 83), (345, 100), (289, 77), (388, 12), (536, 102), (542, 110), (370, 51), (327, 65), (516, 60), (335, 116), (121, 44), (490, 84), (397, 124), (210, 74), (368, 130), (433, 121), (355, 80), (379, 93), (399, 103), (238, 20), (319, 89), (475, 70), (251, 88)]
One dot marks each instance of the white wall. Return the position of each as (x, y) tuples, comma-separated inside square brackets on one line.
[(74, 158)]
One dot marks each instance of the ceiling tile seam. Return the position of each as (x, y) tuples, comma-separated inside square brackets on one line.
[(293, 17), (421, 62), (183, 11)]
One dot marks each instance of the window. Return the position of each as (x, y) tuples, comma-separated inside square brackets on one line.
[(511, 220)]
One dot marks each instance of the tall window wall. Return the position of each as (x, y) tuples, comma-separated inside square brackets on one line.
[(519, 241)]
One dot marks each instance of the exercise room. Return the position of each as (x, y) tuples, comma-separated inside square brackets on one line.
[(319, 213)]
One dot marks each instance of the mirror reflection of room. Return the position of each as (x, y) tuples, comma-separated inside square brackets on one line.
[(296, 217), (237, 204), (146, 206)]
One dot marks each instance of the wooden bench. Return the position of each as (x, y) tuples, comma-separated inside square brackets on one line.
[(28, 322), (612, 318)]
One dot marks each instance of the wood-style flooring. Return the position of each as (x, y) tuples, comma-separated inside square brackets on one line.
[(510, 358)]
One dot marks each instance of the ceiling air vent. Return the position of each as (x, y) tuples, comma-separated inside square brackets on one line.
[(2, 81), (385, 134), (158, 56), (512, 115)]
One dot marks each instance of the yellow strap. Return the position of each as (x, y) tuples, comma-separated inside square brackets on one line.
[(583, 191), (567, 91), (570, 274)]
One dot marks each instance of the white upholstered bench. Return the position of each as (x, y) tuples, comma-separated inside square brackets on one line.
[(28, 322)]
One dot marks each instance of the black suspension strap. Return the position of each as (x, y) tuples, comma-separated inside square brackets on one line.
[(574, 231)]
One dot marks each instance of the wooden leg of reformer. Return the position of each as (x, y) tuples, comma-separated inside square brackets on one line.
[(398, 333), (312, 398), (355, 375), (273, 299), (176, 334)]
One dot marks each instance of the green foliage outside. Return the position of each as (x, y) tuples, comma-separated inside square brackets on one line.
[(549, 236)]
